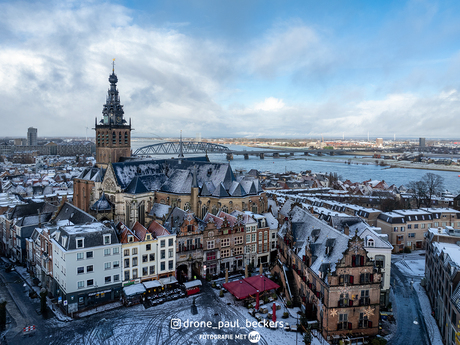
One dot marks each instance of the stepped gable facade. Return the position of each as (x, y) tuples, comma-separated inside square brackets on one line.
[(334, 279)]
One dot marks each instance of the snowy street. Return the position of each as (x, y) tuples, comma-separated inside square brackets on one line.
[(137, 325), (411, 306)]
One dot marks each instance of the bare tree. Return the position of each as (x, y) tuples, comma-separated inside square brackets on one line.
[(419, 191), (424, 190), (434, 184)]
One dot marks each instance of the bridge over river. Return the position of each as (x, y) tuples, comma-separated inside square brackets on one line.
[(181, 148)]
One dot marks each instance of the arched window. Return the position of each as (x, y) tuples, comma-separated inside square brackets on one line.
[(186, 206), (114, 138), (204, 210), (254, 208), (225, 209), (214, 210)]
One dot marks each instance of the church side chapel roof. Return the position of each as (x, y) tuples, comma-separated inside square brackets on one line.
[(207, 189), (306, 228), (220, 191), (177, 176), (103, 204), (237, 189), (92, 174), (136, 186)]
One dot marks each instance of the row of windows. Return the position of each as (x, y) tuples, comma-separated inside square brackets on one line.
[(90, 254), (90, 268), (90, 282), (148, 270)]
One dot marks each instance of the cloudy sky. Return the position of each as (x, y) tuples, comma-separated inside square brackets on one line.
[(234, 68)]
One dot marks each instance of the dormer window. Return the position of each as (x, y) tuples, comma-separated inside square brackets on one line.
[(148, 237), (130, 238), (370, 242), (80, 243), (107, 239)]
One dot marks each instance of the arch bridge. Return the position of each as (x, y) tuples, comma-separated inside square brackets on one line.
[(180, 148)]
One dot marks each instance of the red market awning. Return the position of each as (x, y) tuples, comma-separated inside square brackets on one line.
[(240, 289), (261, 283)]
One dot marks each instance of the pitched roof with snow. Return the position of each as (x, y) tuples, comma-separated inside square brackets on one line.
[(305, 227)]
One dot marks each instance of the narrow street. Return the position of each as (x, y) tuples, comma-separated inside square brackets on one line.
[(21, 309), (410, 322)]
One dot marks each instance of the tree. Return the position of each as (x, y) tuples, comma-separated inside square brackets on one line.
[(419, 191), (434, 184), (424, 190)]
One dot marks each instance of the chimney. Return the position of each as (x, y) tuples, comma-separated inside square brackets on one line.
[(346, 230)]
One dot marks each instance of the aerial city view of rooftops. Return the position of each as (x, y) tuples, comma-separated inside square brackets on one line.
[(249, 173)]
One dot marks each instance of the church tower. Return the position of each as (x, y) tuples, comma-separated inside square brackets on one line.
[(113, 134)]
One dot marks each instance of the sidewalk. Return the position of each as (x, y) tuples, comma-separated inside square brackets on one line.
[(28, 280)]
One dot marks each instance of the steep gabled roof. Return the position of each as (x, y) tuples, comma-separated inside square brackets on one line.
[(157, 230), (220, 192), (103, 204), (136, 186), (237, 190), (207, 189)]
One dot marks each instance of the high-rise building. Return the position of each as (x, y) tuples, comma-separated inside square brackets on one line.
[(379, 142), (32, 136), (113, 134), (421, 142)]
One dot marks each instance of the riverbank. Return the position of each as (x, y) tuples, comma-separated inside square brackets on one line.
[(388, 164)]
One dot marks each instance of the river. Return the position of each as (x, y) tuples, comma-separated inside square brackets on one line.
[(325, 164)]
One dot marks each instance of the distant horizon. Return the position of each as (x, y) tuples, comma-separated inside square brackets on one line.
[(248, 138)]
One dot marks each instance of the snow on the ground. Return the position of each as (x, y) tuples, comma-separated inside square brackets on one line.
[(272, 336), (28, 279), (430, 322), (415, 268), (101, 308)]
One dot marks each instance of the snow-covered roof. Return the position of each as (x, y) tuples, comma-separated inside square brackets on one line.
[(152, 284), (135, 289), (192, 284)]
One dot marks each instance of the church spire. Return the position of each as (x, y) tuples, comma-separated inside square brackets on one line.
[(112, 110)]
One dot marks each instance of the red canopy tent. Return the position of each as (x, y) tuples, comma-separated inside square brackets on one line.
[(240, 289), (261, 283)]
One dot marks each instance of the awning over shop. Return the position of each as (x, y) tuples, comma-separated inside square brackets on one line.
[(132, 290), (168, 280), (261, 283), (152, 284), (192, 284), (240, 289)]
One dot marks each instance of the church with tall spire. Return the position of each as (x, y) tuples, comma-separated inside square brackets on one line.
[(113, 133)]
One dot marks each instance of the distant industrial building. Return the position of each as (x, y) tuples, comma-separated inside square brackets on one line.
[(379, 142), (32, 136), (421, 142)]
